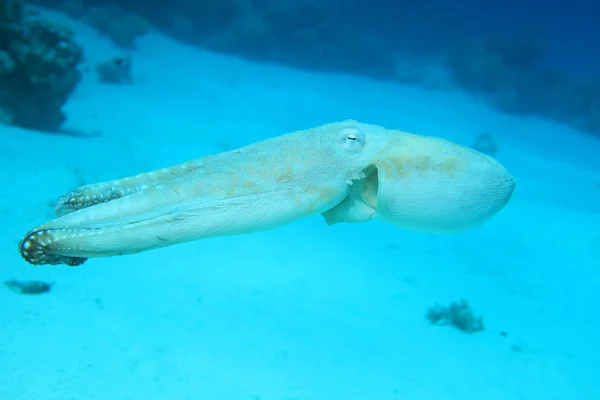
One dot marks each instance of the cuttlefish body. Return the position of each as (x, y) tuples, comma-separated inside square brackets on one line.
[(346, 171)]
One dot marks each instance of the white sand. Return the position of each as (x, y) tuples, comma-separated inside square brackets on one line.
[(304, 312)]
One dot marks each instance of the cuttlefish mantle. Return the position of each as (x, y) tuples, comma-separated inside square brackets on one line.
[(346, 171)]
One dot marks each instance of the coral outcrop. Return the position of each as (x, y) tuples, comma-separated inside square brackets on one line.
[(457, 314), (39, 61)]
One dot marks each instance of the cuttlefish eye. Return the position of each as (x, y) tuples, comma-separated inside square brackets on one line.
[(351, 139)]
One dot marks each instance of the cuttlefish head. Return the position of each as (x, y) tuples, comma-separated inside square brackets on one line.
[(421, 183)]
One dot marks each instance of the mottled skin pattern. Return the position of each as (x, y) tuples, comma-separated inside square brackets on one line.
[(347, 171)]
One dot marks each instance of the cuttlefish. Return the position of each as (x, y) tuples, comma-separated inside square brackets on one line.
[(345, 171)]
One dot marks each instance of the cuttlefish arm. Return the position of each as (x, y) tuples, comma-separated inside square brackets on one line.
[(346, 171)]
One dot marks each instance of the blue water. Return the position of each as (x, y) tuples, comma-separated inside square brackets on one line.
[(307, 311)]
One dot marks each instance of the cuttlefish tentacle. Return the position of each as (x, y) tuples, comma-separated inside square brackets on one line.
[(346, 171), (90, 195)]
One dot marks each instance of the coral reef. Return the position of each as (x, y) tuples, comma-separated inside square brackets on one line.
[(380, 39), (486, 66), (458, 315), (39, 62), (510, 76), (121, 27)]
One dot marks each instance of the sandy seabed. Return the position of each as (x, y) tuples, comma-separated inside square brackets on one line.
[(306, 311)]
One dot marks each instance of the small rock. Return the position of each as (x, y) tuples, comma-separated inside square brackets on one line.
[(28, 287), (116, 70), (485, 143)]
